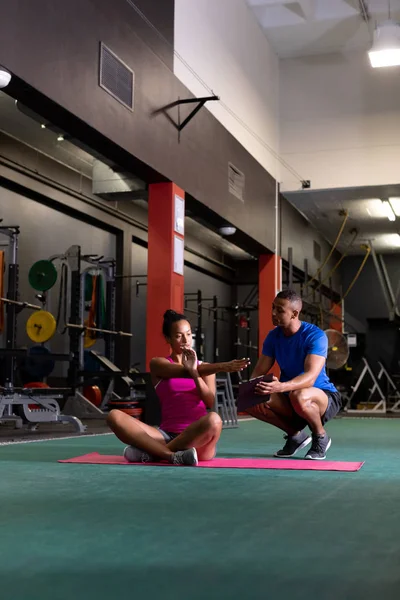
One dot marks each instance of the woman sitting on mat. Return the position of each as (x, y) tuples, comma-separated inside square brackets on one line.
[(186, 389)]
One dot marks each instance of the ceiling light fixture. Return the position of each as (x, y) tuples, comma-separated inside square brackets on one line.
[(395, 204), (385, 51), (60, 138), (5, 77), (393, 239), (227, 230), (387, 210)]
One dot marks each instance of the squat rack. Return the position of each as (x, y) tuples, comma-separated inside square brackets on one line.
[(16, 403)]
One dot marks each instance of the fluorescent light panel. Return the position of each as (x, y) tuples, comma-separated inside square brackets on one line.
[(393, 240), (385, 58), (395, 204), (388, 211)]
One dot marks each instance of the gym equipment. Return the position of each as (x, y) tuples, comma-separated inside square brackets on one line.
[(41, 326), (99, 330), (21, 304), (393, 393), (42, 275), (38, 368), (379, 406), (34, 405), (338, 349), (198, 335), (229, 463), (129, 407), (386, 285), (93, 394), (225, 404)]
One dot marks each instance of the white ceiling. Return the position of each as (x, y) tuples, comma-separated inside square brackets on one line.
[(305, 27), (323, 209)]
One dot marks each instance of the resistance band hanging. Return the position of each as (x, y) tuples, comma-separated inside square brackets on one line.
[(357, 275), (314, 278), (95, 290), (335, 267), (90, 336)]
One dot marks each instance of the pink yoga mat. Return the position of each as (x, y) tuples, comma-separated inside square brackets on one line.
[(228, 463)]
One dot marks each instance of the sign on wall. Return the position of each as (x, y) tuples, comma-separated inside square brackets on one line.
[(179, 249), (179, 215)]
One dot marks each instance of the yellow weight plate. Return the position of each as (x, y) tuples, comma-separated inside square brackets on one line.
[(41, 326)]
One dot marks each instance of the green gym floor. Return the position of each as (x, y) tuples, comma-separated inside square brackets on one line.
[(114, 532)]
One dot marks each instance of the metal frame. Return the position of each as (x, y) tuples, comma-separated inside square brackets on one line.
[(381, 406), (200, 103), (225, 404), (10, 396), (392, 387)]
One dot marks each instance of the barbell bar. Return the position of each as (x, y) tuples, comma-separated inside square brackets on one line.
[(98, 330), (22, 304)]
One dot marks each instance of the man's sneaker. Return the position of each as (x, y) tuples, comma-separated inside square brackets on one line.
[(319, 447), (185, 457), (294, 443), (135, 455)]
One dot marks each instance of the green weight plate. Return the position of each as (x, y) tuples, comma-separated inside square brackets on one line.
[(42, 275)]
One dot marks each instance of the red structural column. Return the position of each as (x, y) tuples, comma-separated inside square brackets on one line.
[(269, 284), (165, 282)]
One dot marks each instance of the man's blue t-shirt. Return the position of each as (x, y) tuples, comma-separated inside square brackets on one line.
[(290, 352)]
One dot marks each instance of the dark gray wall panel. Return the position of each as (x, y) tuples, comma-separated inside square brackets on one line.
[(70, 33)]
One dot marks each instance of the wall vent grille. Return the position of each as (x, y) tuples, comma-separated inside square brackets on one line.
[(236, 181), (116, 78)]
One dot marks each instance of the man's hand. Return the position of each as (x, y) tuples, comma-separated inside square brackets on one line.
[(235, 365), (264, 388)]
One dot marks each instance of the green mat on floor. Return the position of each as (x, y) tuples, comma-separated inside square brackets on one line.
[(96, 532)]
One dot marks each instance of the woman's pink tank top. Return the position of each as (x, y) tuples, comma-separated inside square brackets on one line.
[(180, 403)]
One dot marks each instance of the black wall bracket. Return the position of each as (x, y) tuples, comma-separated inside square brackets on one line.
[(200, 103)]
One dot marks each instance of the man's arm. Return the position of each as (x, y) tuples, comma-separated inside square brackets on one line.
[(313, 366), (264, 364)]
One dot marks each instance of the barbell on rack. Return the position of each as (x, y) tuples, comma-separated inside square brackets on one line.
[(41, 327), (98, 330), (21, 304)]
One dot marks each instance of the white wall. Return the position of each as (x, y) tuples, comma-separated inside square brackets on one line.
[(340, 121), (223, 43)]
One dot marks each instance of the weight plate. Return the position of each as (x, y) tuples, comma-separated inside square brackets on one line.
[(41, 326), (42, 275), (41, 367), (93, 394)]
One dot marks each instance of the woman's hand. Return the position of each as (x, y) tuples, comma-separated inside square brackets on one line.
[(189, 359), (236, 365)]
